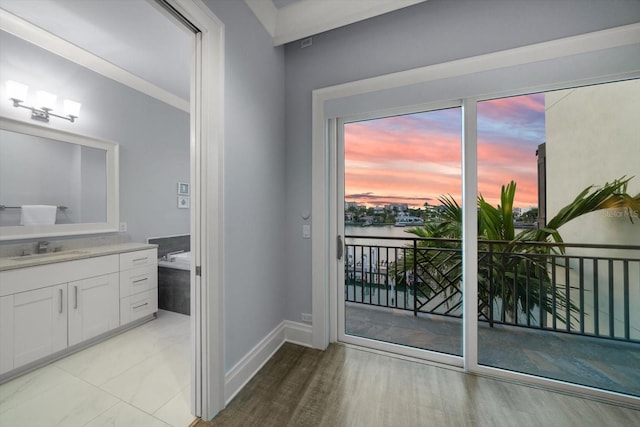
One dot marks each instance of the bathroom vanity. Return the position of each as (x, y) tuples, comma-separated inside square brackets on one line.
[(55, 303)]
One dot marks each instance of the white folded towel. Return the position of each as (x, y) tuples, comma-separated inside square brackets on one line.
[(38, 214)]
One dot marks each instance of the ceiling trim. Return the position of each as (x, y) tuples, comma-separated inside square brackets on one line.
[(36, 35), (267, 14), (305, 18)]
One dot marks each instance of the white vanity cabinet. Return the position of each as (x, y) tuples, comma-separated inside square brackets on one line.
[(93, 307), (33, 325), (44, 309), (138, 284)]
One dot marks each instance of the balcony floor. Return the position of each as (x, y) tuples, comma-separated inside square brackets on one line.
[(600, 363)]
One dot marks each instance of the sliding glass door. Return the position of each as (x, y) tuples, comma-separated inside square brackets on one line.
[(559, 235), (399, 196), (557, 285)]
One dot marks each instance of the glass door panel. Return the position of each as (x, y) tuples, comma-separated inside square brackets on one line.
[(402, 261), (558, 250)]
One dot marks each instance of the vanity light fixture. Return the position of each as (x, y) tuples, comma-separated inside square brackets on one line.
[(47, 103)]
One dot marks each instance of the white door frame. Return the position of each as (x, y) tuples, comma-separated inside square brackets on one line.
[(207, 171), (324, 301)]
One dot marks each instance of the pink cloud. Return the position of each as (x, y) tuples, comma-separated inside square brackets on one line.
[(418, 157)]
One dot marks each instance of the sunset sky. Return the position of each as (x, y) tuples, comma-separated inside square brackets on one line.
[(416, 158)]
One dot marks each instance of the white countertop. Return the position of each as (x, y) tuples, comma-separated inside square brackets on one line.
[(13, 262)]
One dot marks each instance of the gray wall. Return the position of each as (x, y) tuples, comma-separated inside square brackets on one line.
[(255, 292), (153, 136), (429, 33)]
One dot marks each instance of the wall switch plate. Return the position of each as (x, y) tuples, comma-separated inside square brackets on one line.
[(123, 227), (306, 231), (306, 317)]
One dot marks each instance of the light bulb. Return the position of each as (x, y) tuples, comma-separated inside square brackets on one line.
[(17, 90), (71, 108), (46, 100)]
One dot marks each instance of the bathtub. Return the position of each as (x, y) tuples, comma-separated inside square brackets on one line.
[(174, 273), (174, 283), (179, 261)]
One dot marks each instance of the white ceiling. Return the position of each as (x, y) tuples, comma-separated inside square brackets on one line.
[(282, 3), (289, 20)]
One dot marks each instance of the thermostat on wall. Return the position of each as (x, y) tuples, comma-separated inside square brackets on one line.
[(183, 202)]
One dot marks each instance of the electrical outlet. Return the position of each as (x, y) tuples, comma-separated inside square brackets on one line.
[(123, 227), (306, 317)]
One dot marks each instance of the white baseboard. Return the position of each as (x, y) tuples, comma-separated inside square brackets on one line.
[(250, 364), (297, 333)]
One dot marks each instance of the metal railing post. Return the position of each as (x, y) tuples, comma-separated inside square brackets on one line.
[(415, 277)]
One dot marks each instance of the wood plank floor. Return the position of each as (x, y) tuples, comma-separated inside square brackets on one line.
[(595, 362), (346, 386)]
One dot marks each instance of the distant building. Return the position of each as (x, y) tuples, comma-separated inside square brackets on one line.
[(592, 138), (397, 207)]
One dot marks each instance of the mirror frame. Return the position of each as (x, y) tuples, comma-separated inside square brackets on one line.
[(112, 190)]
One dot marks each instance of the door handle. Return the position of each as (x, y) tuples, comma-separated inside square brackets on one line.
[(60, 308), (75, 297), (340, 247), (140, 306)]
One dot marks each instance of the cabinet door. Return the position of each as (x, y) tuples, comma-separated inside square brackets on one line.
[(94, 307), (33, 325)]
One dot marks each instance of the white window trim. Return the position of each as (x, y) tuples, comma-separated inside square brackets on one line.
[(323, 247)]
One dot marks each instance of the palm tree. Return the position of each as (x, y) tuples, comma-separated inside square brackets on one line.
[(513, 270)]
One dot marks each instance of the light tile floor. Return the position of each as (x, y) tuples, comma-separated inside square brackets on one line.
[(138, 378)]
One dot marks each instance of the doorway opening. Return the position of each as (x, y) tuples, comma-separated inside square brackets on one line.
[(204, 146)]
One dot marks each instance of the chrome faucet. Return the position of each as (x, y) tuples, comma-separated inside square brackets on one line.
[(42, 246)]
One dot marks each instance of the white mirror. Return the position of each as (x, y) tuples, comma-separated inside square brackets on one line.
[(55, 183)]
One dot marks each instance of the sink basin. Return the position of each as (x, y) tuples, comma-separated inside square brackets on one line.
[(48, 255)]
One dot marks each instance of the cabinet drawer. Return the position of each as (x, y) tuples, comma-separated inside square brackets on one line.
[(129, 260), (138, 280), (136, 306)]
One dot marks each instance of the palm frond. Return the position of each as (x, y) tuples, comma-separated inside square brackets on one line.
[(591, 199), (513, 264)]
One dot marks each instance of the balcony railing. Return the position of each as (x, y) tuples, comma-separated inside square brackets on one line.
[(581, 289)]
